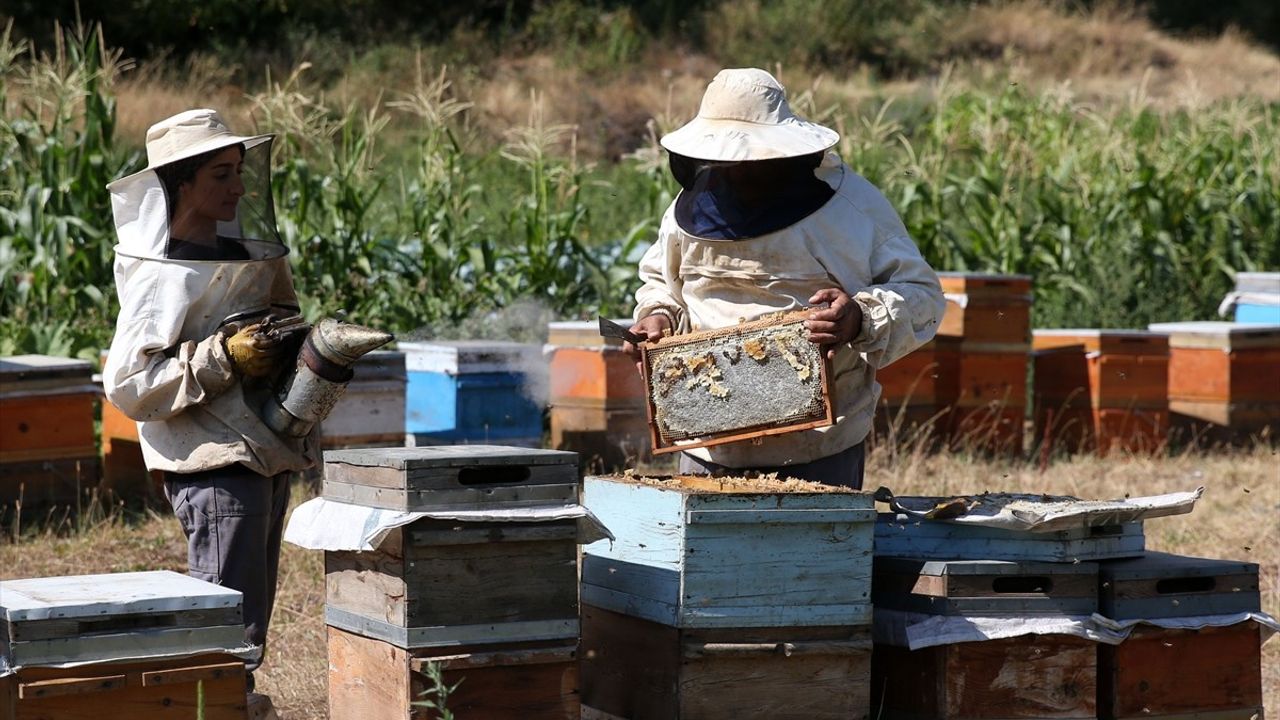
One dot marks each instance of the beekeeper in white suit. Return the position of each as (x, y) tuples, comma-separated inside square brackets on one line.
[(198, 265), (768, 220)]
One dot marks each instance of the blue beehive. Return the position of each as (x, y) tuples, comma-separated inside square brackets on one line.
[(474, 391), (1257, 297), (729, 553)]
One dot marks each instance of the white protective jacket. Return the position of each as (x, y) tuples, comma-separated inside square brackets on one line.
[(168, 367), (855, 242)]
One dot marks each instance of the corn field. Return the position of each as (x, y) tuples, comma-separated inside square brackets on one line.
[(1123, 214)]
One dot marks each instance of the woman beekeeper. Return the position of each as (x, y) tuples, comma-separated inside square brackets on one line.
[(199, 265), (769, 220)]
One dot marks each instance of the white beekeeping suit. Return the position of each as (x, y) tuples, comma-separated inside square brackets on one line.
[(168, 366)]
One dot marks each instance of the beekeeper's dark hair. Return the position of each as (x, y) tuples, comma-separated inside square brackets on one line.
[(173, 174)]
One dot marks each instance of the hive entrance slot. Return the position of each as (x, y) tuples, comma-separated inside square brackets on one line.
[(1178, 586), (1105, 530), (1021, 585), (126, 622), (493, 475)]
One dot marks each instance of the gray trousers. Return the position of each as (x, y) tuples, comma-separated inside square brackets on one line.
[(233, 519), (844, 468)]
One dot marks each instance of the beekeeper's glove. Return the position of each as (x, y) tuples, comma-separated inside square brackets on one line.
[(253, 354)]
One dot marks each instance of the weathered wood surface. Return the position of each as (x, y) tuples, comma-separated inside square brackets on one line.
[(926, 540), (1160, 585), (985, 587), (517, 579), (640, 670), (1209, 673), (730, 560), (373, 680), (159, 689), (1045, 676), (421, 478), (35, 373)]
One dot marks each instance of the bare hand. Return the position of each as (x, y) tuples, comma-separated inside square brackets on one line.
[(834, 325), (654, 328)]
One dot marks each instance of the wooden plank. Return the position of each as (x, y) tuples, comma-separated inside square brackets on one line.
[(393, 499), (46, 629), (1164, 585), (450, 635), (224, 696), (368, 680), (71, 686), (985, 587), (1147, 675), (451, 456), (193, 674), (51, 422), (642, 670), (950, 541)]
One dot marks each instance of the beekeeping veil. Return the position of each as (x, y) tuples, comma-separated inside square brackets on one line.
[(245, 274), (746, 164)]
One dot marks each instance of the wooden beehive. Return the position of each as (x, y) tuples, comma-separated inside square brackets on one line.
[(597, 398), (136, 644), (1041, 676), (642, 670), (1224, 374), (987, 308), (902, 536), (919, 389), (989, 407), (985, 587), (370, 412), (1214, 672), (736, 383), (430, 478), (373, 680), (695, 552), (518, 580), (1101, 390), (1160, 585)]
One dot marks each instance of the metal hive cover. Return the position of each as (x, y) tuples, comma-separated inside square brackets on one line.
[(725, 385)]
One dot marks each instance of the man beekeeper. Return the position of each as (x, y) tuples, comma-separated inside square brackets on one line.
[(198, 265), (768, 219)]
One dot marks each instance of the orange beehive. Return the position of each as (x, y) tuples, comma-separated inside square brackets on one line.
[(48, 452), (597, 397), (987, 308), (918, 389), (1224, 375), (1101, 389), (989, 408)]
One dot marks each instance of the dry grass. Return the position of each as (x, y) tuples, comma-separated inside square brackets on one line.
[(1108, 54), (1237, 518)]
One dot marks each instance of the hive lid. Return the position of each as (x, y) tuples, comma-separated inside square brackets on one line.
[(1218, 334), (962, 287), (380, 365), (413, 458), (1258, 282), (28, 372), (1130, 342), (916, 566), (457, 357), (1165, 565), (98, 596)]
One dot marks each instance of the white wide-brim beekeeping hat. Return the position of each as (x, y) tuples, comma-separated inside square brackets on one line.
[(745, 116), (186, 135)]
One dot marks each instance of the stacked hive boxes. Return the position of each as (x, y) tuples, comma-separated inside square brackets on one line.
[(473, 391), (48, 453), (474, 585), (991, 315), (370, 412), (1223, 377), (1101, 390), (597, 398), (726, 598), (917, 390), (1077, 622), (121, 647)]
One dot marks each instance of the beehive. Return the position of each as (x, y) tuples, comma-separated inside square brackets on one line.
[(1101, 390), (374, 680), (1258, 298), (429, 478), (985, 587), (1042, 676), (987, 308), (736, 383), (137, 645), (643, 670), (48, 453), (1224, 375), (919, 389), (597, 398), (989, 408), (902, 536), (473, 391), (721, 553), (370, 412)]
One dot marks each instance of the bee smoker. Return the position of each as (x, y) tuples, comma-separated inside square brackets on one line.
[(308, 393)]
